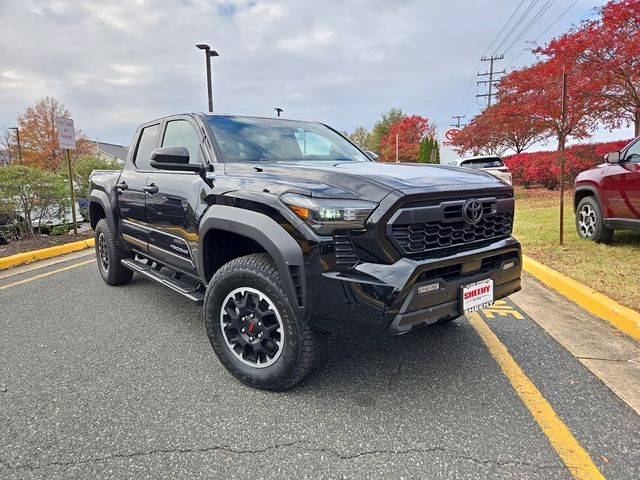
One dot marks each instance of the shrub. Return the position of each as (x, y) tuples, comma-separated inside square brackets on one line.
[(29, 193), (82, 168), (543, 168)]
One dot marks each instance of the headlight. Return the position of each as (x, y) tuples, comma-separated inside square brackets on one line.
[(326, 215)]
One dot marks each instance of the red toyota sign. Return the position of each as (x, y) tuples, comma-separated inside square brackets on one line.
[(451, 134)]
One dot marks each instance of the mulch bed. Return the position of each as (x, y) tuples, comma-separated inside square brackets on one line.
[(40, 241)]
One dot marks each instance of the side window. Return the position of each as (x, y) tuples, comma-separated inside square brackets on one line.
[(146, 145), (633, 153), (180, 133)]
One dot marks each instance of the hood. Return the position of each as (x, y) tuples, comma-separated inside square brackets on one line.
[(370, 180)]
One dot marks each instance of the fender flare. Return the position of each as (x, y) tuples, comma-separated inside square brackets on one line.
[(586, 188), (102, 199), (270, 235)]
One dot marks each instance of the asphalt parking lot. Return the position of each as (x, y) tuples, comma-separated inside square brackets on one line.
[(120, 382)]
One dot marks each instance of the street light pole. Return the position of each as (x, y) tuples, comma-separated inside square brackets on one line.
[(208, 54), (279, 110), (18, 139)]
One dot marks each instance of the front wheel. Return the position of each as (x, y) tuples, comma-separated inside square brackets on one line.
[(109, 254), (589, 222), (252, 328)]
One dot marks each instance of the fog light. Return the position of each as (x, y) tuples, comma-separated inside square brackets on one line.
[(508, 265), (428, 288)]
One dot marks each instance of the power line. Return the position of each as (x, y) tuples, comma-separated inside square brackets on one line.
[(531, 23), (544, 31), (516, 25), (503, 27), (467, 97)]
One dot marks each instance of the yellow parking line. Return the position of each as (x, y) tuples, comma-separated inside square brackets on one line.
[(560, 437), (46, 274), (502, 309)]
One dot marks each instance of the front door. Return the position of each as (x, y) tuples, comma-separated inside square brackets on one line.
[(621, 185), (172, 199), (130, 189)]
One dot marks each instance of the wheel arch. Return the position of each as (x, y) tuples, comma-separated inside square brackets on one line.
[(583, 192), (252, 232)]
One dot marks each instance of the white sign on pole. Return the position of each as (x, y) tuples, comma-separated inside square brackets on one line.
[(66, 133), (447, 153)]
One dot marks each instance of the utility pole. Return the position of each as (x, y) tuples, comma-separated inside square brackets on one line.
[(561, 145), (491, 74), (457, 120), (18, 140)]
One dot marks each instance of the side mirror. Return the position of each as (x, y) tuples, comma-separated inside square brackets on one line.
[(612, 157), (173, 158), (372, 155)]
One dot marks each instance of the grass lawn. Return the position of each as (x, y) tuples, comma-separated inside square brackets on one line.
[(613, 269)]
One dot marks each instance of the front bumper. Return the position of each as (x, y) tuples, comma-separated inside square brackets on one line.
[(377, 299)]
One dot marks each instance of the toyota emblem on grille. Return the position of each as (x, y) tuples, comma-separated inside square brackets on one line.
[(472, 211)]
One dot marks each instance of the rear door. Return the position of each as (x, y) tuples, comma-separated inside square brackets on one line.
[(172, 199), (621, 185), (130, 190)]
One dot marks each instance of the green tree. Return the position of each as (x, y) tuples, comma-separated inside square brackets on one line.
[(429, 151), (29, 195), (360, 136), (382, 126), (82, 169)]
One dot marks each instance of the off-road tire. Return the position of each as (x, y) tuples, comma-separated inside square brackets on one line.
[(114, 273), (595, 230), (301, 344)]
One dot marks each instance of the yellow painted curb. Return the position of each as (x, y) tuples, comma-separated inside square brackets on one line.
[(26, 257), (621, 317)]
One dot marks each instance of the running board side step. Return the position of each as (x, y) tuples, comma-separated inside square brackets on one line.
[(192, 293)]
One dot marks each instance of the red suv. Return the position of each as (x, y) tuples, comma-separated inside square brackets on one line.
[(607, 197)]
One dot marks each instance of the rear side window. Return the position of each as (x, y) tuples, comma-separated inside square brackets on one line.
[(180, 133), (483, 163), (146, 145)]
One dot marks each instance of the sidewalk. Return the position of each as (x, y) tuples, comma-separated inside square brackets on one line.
[(611, 356)]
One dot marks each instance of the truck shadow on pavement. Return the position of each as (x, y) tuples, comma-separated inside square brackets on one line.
[(429, 357)]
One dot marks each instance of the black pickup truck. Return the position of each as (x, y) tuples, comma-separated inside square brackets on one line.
[(285, 229)]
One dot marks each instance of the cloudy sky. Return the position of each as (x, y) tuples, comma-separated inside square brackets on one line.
[(115, 64)]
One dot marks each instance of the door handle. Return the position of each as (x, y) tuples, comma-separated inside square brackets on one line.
[(151, 189), (122, 186)]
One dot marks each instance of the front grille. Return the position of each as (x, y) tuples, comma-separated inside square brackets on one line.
[(442, 226)]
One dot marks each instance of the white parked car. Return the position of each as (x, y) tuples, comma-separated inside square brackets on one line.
[(489, 163)]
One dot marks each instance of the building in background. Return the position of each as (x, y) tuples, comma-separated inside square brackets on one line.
[(110, 151)]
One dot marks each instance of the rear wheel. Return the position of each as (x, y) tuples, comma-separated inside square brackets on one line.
[(589, 222), (108, 256), (252, 328)]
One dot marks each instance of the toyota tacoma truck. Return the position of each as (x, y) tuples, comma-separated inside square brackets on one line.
[(285, 229)]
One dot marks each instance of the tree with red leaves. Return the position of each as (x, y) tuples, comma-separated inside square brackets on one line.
[(497, 129), (411, 130), (609, 49), (536, 91)]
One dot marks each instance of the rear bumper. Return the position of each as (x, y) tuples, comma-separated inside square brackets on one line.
[(376, 299)]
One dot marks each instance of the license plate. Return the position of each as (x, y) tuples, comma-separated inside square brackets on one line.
[(477, 296)]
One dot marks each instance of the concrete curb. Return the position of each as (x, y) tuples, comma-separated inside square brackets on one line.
[(26, 257), (624, 319)]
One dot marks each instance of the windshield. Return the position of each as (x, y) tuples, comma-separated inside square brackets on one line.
[(483, 163), (245, 139)]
